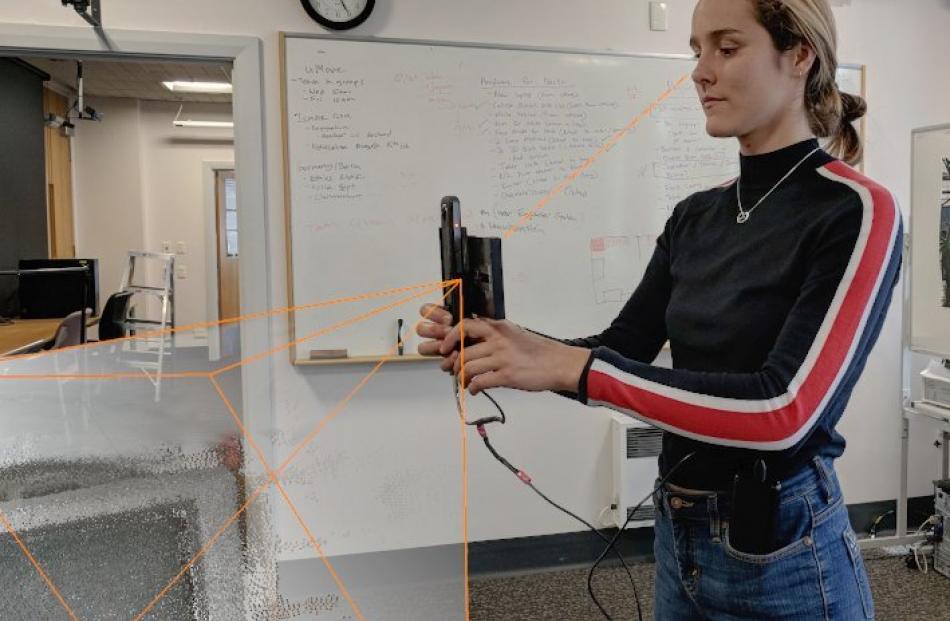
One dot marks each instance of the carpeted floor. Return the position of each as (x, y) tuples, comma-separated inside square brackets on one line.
[(900, 594)]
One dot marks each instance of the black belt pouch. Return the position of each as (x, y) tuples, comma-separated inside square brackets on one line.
[(752, 521)]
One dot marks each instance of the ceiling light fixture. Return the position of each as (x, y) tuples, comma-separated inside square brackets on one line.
[(204, 124), (178, 122), (213, 88)]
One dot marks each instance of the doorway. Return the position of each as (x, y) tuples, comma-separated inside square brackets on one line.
[(28, 40)]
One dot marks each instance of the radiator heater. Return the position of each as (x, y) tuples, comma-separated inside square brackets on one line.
[(636, 447)]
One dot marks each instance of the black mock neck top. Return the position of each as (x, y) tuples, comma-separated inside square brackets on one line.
[(770, 321)]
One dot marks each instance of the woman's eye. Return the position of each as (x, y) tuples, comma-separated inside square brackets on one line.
[(727, 51)]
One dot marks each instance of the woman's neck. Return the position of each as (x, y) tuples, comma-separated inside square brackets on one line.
[(771, 143), (774, 137)]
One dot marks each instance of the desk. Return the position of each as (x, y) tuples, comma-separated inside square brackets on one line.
[(924, 413), (23, 333)]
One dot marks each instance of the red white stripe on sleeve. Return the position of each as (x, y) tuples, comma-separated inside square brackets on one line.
[(675, 402)]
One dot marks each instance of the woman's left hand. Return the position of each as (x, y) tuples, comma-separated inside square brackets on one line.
[(507, 355)]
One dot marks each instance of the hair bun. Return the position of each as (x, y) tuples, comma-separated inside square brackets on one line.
[(853, 108)]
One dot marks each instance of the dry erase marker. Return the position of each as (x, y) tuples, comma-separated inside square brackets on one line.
[(399, 335)]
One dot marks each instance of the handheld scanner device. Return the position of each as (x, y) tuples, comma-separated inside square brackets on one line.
[(475, 261), (452, 238)]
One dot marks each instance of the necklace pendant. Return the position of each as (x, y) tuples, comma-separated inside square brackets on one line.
[(742, 217)]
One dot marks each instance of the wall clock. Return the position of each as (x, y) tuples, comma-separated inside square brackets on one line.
[(338, 14)]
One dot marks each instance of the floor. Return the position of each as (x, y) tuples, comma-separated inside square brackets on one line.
[(900, 594)]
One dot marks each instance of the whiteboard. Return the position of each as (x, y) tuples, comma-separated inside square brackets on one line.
[(377, 131), (929, 226)]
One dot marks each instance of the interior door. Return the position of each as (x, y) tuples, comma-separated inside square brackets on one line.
[(59, 181), (226, 204)]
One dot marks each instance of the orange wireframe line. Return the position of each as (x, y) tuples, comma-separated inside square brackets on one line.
[(244, 361), (589, 161), (263, 486), (283, 492), (103, 376), (321, 332), (229, 320), (206, 374), (336, 410), (323, 557), (36, 566), (462, 419), (201, 552)]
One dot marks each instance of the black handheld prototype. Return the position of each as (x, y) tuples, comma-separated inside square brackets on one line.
[(753, 526), (475, 261)]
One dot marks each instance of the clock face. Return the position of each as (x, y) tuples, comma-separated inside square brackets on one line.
[(338, 14)]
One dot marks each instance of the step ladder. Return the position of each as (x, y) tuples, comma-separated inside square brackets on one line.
[(151, 350)]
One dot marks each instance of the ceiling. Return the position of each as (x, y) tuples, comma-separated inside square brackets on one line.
[(136, 80)]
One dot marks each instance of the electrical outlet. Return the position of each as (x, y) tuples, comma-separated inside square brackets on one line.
[(166, 246), (180, 248), (658, 16), (181, 271)]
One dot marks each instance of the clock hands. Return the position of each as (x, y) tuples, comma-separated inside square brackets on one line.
[(338, 14)]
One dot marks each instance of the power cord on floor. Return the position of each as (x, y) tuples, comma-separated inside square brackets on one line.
[(917, 556), (480, 423), (872, 531)]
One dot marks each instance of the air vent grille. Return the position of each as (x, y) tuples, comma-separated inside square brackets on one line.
[(645, 512), (644, 442)]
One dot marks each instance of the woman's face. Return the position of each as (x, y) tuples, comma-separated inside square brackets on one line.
[(747, 87)]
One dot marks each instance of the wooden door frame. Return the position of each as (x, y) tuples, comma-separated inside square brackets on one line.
[(209, 171)]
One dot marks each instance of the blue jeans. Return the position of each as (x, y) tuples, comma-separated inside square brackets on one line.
[(816, 573)]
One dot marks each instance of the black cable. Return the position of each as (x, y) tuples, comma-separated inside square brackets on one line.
[(524, 478), (630, 514)]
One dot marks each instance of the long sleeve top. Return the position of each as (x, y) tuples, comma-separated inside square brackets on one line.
[(769, 322)]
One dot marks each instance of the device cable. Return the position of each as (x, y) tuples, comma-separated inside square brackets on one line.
[(480, 423)]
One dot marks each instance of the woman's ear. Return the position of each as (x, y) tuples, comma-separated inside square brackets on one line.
[(803, 57)]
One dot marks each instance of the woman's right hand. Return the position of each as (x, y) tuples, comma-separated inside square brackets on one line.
[(436, 328)]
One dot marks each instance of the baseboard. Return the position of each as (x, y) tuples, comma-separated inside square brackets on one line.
[(563, 550), (862, 515), (560, 551), (546, 552)]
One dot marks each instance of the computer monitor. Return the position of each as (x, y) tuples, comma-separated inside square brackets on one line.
[(52, 295)]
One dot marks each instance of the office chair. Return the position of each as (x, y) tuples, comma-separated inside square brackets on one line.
[(67, 334), (69, 330), (112, 323)]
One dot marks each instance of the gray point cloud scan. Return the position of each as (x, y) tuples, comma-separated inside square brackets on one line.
[(129, 491)]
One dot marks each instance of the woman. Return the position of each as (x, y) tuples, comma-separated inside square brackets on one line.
[(771, 290)]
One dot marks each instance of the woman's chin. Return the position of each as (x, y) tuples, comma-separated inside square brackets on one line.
[(717, 129)]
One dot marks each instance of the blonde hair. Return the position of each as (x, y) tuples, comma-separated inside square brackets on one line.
[(830, 112)]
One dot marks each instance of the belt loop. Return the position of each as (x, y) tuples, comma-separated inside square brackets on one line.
[(712, 507), (659, 498), (824, 477)]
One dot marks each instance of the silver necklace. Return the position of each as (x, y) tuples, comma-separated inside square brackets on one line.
[(743, 214)]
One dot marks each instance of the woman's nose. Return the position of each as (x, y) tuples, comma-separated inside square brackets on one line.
[(702, 73)]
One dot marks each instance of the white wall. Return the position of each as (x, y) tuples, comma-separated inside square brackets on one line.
[(561, 445), (107, 182), (139, 183), (173, 159)]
